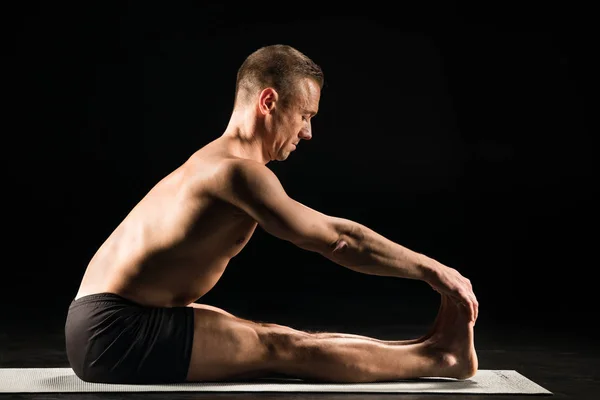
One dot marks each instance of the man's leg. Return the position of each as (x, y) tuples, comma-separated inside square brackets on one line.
[(226, 348), (432, 329), (332, 335)]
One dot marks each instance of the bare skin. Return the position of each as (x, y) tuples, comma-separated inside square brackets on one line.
[(448, 352), (175, 244)]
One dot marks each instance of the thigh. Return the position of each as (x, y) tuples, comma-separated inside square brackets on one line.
[(226, 347), (274, 328), (211, 308)]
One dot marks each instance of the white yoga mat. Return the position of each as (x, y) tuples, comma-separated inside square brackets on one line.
[(63, 380)]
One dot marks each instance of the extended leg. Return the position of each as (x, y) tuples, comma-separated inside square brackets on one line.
[(340, 335), (449, 352), (228, 348), (434, 327)]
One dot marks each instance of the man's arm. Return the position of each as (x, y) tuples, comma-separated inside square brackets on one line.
[(255, 189)]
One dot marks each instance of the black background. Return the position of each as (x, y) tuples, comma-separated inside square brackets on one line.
[(462, 132)]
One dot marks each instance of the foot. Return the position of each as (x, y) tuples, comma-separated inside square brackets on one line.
[(451, 344), (438, 320)]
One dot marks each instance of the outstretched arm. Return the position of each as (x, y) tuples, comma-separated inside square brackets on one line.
[(361, 249), (364, 250), (255, 189)]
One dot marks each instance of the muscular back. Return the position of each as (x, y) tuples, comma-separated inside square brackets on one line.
[(175, 243)]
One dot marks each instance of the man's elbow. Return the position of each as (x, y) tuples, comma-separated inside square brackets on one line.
[(345, 236)]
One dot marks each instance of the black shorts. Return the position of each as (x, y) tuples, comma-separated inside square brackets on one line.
[(110, 339)]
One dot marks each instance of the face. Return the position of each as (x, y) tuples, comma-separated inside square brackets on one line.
[(292, 124)]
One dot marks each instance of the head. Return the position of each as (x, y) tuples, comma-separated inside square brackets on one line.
[(279, 89)]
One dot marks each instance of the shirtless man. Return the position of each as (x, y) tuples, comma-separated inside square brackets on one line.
[(134, 318)]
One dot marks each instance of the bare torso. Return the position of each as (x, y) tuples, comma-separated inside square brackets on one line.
[(175, 244)]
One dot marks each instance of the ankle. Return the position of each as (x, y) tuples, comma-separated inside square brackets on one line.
[(456, 364)]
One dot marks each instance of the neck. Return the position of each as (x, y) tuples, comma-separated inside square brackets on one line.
[(243, 137)]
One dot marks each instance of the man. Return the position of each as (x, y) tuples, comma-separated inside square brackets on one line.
[(135, 320)]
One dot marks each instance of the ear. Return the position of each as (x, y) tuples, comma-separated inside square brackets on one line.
[(267, 99)]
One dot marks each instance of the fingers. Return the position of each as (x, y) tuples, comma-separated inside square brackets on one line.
[(469, 301), (474, 307), (460, 290)]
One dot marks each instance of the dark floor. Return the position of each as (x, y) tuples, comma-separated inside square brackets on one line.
[(565, 364)]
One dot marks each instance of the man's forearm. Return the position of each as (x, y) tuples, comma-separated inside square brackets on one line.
[(361, 249)]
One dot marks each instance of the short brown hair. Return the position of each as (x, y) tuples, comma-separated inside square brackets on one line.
[(277, 66)]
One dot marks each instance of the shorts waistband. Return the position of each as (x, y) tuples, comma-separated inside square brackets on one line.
[(104, 296)]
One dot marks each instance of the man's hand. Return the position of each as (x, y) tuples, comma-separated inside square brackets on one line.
[(448, 281)]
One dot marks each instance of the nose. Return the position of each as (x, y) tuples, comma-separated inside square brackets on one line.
[(306, 134)]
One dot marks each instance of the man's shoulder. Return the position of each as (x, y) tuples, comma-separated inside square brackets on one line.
[(214, 160), (216, 174), (235, 168)]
